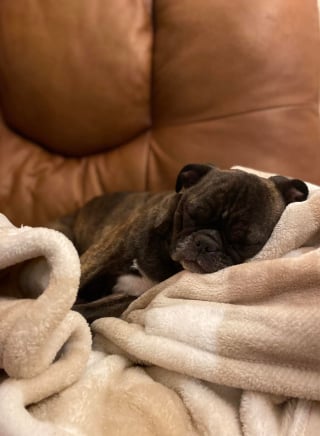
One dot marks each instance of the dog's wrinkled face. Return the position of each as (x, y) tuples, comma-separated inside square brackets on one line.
[(225, 217)]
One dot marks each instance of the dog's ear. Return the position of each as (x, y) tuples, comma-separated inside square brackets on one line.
[(291, 189), (191, 174)]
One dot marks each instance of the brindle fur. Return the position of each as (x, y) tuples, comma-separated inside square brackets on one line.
[(234, 209)]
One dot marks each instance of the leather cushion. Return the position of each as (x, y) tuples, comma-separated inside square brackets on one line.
[(75, 75)]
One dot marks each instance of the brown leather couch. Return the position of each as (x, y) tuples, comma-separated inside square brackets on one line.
[(117, 95)]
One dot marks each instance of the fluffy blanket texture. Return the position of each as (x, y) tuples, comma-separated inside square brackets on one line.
[(230, 353)]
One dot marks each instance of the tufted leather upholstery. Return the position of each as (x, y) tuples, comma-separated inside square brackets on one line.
[(101, 96)]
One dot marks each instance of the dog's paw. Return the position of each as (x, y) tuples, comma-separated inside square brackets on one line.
[(132, 284)]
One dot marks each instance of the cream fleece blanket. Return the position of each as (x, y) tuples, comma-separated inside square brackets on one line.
[(230, 353)]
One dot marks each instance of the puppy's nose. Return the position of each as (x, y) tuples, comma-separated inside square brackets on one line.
[(206, 243)]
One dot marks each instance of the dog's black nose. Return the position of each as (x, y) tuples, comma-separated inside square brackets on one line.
[(206, 243)]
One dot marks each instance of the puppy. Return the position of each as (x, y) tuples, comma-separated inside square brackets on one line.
[(127, 242)]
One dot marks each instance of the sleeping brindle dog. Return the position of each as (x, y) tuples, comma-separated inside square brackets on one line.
[(215, 218)]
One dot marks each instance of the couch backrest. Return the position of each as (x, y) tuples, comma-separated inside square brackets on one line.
[(101, 96)]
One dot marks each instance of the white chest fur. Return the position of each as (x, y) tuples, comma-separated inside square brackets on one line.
[(133, 284)]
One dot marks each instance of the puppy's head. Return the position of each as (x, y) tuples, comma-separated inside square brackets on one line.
[(225, 217)]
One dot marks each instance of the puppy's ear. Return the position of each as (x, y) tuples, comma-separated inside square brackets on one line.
[(291, 189), (191, 174)]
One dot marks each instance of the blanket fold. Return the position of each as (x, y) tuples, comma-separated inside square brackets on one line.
[(231, 353), (33, 332)]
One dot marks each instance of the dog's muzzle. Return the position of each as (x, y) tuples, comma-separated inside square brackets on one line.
[(202, 251)]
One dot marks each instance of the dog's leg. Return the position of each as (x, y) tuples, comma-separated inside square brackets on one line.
[(111, 305), (110, 255)]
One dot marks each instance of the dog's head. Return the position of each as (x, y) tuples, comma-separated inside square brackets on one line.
[(225, 217)]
